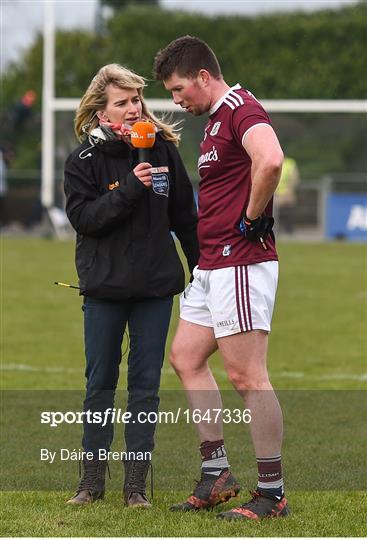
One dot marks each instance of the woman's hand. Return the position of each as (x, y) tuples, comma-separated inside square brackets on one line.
[(143, 172)]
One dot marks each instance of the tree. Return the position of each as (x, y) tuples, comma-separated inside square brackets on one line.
[(297, 56), (120, 4)]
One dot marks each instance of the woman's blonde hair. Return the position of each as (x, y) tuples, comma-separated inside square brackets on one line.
[(95, 99)]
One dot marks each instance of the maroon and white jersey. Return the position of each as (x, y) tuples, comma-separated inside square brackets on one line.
[(225, 185)]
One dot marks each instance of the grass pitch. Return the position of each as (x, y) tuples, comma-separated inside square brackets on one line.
[(317, 351)]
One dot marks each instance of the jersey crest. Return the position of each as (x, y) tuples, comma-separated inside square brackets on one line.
[(215, 128)]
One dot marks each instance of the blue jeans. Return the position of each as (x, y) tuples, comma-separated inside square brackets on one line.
[(104, 327)]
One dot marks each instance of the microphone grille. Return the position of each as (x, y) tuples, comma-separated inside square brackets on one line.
[(143, 134)]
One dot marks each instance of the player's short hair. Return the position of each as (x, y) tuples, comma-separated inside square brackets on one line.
[(185, 56)]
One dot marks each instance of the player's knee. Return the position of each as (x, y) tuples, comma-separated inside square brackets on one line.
[(175, 358), (186, 363), (244, 381), (237, 379), (181, 366)]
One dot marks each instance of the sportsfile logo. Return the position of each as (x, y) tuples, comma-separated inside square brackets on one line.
[(116, 415)]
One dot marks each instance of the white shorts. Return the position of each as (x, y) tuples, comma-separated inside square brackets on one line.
[(231, 300)]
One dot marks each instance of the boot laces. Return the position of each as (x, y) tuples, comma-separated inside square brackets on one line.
[(93, 472), (136, 481), (203, 487), (254, 500)]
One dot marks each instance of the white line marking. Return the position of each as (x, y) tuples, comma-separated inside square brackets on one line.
[(216, 371), (28, 367)]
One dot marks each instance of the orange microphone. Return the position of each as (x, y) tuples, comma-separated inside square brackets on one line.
[(143, 138)]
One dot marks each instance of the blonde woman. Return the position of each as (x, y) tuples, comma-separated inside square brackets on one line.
[(127, 264)]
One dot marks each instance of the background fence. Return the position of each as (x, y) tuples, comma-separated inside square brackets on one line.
[(329, 149)]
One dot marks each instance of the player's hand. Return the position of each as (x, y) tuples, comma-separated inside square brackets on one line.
[(143, 172), (256, 229)]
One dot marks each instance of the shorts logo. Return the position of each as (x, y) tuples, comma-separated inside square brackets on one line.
[(160, 183), (227, 250), (215, 128), (229, 322)]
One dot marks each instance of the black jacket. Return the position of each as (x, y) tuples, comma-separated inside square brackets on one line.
[(124, 247)]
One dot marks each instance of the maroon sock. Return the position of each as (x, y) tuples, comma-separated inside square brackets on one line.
[(270, 477), (214, 457)]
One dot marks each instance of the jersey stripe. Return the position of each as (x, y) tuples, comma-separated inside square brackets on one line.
[(221, 100), (229, 104), (239, 97), (232, 98)]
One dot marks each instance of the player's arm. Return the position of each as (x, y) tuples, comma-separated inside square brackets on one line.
[(262, 145)]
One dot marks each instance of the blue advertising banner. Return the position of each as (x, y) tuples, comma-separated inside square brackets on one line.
[(346, 216)]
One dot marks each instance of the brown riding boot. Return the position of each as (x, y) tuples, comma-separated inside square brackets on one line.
[(134, 485), (92, 484)]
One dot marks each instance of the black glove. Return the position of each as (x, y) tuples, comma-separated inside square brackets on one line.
[(256, 229)]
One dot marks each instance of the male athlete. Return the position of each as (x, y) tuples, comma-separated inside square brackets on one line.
[(230, 302)]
